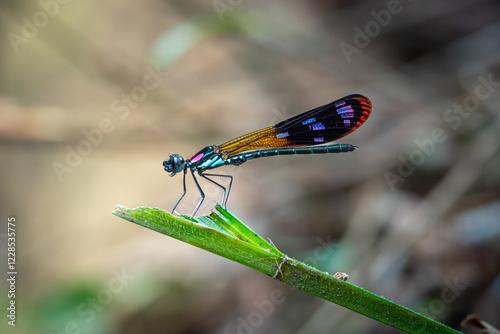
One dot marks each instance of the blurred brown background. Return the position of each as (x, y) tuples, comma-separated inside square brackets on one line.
[(95, 95)]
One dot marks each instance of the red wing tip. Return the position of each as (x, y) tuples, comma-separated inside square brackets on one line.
[(363, 100)]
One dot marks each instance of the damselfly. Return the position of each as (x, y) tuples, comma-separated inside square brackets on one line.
[(302, 134)]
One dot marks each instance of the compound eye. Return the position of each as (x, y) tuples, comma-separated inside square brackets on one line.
[(177, 163), (174, 164)]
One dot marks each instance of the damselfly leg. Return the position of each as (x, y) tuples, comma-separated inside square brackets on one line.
[(225, 194)]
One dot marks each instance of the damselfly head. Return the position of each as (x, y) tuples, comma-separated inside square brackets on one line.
[(174, 164)]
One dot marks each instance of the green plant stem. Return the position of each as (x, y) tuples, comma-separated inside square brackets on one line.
[(223, 234)]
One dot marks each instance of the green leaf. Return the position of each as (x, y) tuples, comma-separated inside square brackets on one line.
[(223, 234)]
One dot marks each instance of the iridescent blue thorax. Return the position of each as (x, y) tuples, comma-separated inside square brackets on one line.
[(208, 158)]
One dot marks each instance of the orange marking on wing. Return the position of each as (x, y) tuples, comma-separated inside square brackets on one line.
[(264, 138)]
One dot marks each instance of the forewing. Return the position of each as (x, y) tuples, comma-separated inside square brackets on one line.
[(317, 126), (326, 123)]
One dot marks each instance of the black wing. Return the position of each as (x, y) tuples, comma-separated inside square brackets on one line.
[(317, 126), (326, 123)]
